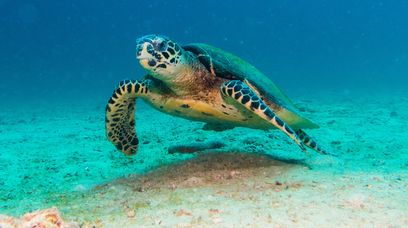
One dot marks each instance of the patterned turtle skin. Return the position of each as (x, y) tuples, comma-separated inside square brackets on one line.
[(202, 83)]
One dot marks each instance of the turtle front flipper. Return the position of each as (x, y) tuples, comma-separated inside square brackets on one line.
[(120, 115), (241, 93)]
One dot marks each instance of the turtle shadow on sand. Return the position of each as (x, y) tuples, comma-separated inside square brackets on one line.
[(207, 169), (173, 186)]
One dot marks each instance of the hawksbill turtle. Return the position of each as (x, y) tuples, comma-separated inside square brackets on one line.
[(202, 83)]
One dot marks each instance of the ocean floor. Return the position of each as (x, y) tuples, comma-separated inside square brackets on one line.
[(56, 154)]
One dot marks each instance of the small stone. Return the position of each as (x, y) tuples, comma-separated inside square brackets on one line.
[(335, 142), (214, 211), (131, 213), (331, 122), (44, 218), (232, 174), (393, 114), (182, 212)]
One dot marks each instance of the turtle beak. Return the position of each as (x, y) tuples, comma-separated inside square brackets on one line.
[(139, 51), (142, 55)]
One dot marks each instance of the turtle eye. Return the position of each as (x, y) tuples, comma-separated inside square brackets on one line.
[(150, 49), (162, 46)]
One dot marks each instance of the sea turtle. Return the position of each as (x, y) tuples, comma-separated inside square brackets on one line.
[(202, 83)]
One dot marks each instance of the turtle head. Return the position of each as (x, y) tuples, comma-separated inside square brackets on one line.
[(159, 55)]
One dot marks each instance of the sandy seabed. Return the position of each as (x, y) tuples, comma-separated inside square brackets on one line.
[(57, 155)]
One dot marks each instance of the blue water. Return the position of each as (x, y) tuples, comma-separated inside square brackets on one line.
[(62, 59), (72, 49)]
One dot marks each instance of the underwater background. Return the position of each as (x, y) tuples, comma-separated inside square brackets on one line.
[(345, 62), (87, 46)]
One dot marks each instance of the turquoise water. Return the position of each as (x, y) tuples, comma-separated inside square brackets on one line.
[(345, 63), (348, 44)]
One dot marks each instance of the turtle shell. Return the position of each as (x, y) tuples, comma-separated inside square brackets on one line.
[(229, 66)]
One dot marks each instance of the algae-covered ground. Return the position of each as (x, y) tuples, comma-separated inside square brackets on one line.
[(56, 154)]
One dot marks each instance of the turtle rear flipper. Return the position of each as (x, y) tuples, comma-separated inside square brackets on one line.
[(120, 115), (311, 143)]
